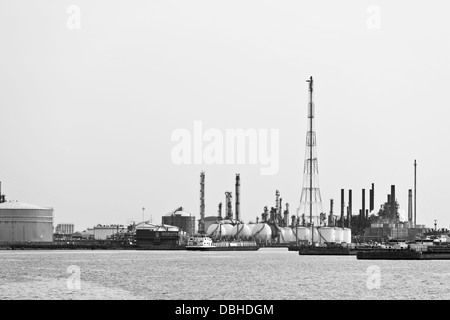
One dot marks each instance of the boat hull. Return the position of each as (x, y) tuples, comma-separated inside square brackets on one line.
[(228, 248), (402, 255), (325, 251)]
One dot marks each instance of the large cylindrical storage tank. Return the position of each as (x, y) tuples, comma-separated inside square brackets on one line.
[(288, 235), (216, 231), (347, 237), (339, 235), (327, 234), (241, 231), (315, 236), (21, 222), (262, 232), (302, 233)]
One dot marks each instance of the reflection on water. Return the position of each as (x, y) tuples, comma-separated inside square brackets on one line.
[(264, 274)]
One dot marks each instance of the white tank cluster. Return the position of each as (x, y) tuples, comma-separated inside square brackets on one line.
[(323, 234)]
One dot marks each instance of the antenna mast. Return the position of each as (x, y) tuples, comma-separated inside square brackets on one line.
[(310, 196)]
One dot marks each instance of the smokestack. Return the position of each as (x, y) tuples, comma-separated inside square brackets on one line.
[(330, 217), (350, 207), (371, 200), (342, 208), (415, 193), (201, 226), (286, 215), (363, 208), (410, 218), (238, 197), (229, 208), (348, 217), (280, 216), (393, 211), (220, 210)]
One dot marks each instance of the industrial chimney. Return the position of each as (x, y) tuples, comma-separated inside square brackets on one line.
[(286, 215), (410, 218), (393, 211), (229, 208), (371, 198), (350, 207), (238, 197), (363, 209), (330, 217), (201, 224), (220, 211), (342, 208)]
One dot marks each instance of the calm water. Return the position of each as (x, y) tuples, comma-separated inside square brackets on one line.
[(264, 274)]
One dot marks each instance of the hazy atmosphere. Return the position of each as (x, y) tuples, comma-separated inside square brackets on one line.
[(93, 92)]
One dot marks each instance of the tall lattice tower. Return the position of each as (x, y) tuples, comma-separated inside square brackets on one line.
[(310, 199)]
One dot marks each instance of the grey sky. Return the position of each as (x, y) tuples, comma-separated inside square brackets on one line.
[(86, 115)]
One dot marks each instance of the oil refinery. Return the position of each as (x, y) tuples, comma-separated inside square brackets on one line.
[(21, 223)]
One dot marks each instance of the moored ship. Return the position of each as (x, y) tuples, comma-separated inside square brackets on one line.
[(207, 244)]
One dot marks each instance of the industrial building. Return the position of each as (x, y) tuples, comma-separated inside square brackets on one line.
[(22, 223), (151, 235), (65, 228), (181, 219), (104, 232)]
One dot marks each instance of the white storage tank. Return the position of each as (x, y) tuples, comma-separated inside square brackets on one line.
[(327, 234), (347, 235), (21, 222), (216, 231), (315, 236), (241, 231), (228, 230), (288, 235), (339, 235), (262, 232), (302, 233)]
